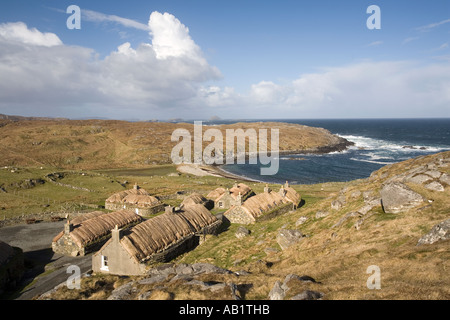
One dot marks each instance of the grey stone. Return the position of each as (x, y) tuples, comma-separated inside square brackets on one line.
[(337, 205), (123, 292), (445, 178), (321, 214), (164, 269), (345, 218), (419, 179), (355, 194), (241, 232), (308, 295), (270, 250), (277, 293), (397, 198), (433, 173), (364, 209), (208, 286), (153, 279), (184, 269), (287, 238), (200, 268), (439, 232), (291, 276), (434, 186), (301, 221)]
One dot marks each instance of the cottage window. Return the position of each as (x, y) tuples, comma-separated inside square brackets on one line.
[(220, 204), (104, 263)]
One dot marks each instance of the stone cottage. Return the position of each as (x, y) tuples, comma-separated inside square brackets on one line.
[(88, 232), (158, 239), (11, 266), (225, 199), (265, 205), (136, 199)]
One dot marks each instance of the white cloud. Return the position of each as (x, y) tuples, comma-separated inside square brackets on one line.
[(409, 39), (169, 77), (95, 16), (171, 38), (433, 25), (19, 32), (380, 89), (169, 70), (375, 43)]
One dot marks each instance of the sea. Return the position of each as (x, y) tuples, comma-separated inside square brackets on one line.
[(378, 142)]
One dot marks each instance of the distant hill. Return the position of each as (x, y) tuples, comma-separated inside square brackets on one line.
[(21, 118), (95, 144)]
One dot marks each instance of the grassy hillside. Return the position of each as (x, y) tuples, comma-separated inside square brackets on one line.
[(336, 250), (102, 144)]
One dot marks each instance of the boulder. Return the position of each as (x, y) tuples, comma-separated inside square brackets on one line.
[(301, 220), (434, 186), (397, 198), (419, 179), (308, 295), (321, 214), (439, 232), (445, 178), (277, 293), (433, 173), (287, 238), (123, 292), (241, 232), (337, 204)]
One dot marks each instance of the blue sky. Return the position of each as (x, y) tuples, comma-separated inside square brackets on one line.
[(234, 59)]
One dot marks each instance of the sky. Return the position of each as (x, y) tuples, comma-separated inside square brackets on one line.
[(252, 59)]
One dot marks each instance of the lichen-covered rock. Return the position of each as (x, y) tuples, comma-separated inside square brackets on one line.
[(439, 232), (277, 292), (241, 232), (287, 238), (397, 198), (434, 186)]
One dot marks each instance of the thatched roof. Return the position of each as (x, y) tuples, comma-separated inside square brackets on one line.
[(215, 194), (135, 196), (85, 216), (6, 251), (292, 195), (99, 226), (159, 233), (259, 204), (194, 198), (240, 188)]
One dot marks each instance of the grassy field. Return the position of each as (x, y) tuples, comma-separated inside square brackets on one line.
[(336, 254)]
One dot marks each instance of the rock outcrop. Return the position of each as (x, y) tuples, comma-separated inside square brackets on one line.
[(439, 232), (287, 238), (296, 287), (397, 197)]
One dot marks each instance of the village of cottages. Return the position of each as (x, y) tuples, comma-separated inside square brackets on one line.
[(128, 240)]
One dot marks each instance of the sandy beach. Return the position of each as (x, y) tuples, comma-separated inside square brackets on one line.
[(208, 170)]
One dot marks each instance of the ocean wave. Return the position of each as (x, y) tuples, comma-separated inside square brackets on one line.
[(372, 161), (366, 143)]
